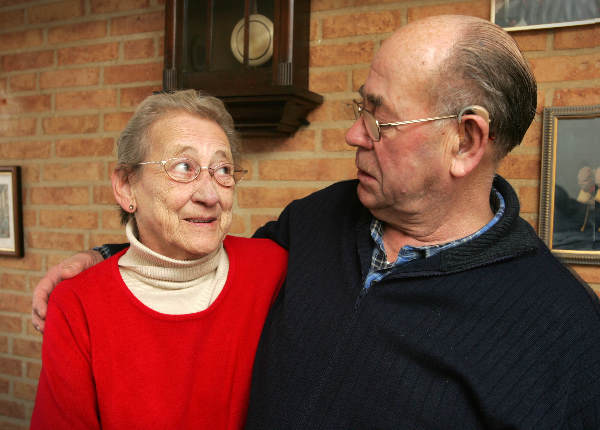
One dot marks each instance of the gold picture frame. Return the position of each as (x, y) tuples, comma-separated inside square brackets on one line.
[(11, 222), (569, 217), (514, 15)]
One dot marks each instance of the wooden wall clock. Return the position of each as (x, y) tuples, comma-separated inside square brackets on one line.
[(252, 54)]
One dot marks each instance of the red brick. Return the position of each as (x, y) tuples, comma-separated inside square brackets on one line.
[(54, 240), (88, 54), (257, 221), (328, 82), (17, 127), (98, 239), (533, 137), (318, 5), (24, 390), (31, 173), (133, 73), (73, 124), (57, 11), (59, 195), (22, 39), (25, 104), (4, 389), (589, 274), (12, 18), (132, 96), (576, 96), (13, 282), (25, 150), (69, 78), (531, 40), (10, 324), (3, 85), (270, 197), (138, 23), (111, 220), (32, 261), (334, 110), (529, 197), (479, 9), (520, 166), (10, 366), (84, 147), (359, 76), (10, 3), (96, 99), (361, 23), (103, 194), (334, 139), (32, 370), (302, 140), (314, 29), (84, 171), (12, 302), (321, 169), (27, 60), (12, 409), (75, 32), (104, 6), (238, 225), (116, 121), (566, 68), (584, 36), (23, 82), (27, 348), (142, 48), (4, 425), (335, 55)]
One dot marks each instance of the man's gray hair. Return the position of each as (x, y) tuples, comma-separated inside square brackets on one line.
[(133, 143), (485, 67)]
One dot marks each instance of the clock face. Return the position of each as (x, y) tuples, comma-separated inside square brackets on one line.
[(260, 43)]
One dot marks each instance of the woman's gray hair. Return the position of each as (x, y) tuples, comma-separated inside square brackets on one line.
[(132, 145), (486, 68)]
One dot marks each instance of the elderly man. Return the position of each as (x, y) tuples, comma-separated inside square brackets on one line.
[(416, 297)]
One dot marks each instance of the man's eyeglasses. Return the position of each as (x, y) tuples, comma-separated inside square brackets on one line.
[(186, 170), (374, 127)]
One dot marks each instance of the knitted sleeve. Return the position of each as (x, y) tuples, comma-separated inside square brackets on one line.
[(66, 397)]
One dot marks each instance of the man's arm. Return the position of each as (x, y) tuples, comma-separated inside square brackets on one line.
[(66, 269)]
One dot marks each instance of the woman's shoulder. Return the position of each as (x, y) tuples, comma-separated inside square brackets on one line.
[(89, 282), (254, 249)]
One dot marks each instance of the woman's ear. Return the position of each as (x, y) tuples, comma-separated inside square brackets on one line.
[(473, 132), (122, 189)]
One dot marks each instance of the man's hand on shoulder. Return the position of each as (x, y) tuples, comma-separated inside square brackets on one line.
[(69, 268)]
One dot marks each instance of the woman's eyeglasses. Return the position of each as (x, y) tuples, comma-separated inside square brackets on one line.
[(186, 170)]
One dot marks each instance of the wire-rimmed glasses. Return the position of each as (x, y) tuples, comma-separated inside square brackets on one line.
[(186, 170), (374, 127)]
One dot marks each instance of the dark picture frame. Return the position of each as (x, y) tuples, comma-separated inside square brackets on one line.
[(569, 217), (11, 218), (515, 15)]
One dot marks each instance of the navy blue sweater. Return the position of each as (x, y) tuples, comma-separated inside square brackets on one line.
[(495, 333)]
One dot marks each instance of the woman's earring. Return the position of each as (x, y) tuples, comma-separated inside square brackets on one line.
[(131, 207)]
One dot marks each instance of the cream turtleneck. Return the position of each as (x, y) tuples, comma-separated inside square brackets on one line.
[(171, 286)]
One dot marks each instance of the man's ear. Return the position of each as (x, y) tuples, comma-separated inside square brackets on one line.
[(122, 189), (473, 132)]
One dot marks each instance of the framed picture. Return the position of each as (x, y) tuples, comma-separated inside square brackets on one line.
[(569, 220), (533, 14), (11, 223)]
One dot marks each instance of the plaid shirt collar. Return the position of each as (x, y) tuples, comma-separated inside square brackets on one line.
[(408, 253)]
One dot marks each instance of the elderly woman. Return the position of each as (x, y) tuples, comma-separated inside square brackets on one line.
[(163, 334)]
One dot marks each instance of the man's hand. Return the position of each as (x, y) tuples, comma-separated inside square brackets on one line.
[(69, 268)]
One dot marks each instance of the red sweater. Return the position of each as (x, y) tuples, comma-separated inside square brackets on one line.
[(110, 362)]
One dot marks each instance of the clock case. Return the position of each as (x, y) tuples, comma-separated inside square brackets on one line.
[(271, 99)]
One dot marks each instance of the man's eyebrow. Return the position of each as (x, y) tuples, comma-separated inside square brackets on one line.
[(374, 100)]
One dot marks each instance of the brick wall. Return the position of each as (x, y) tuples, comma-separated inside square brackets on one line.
[(72, 71)]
